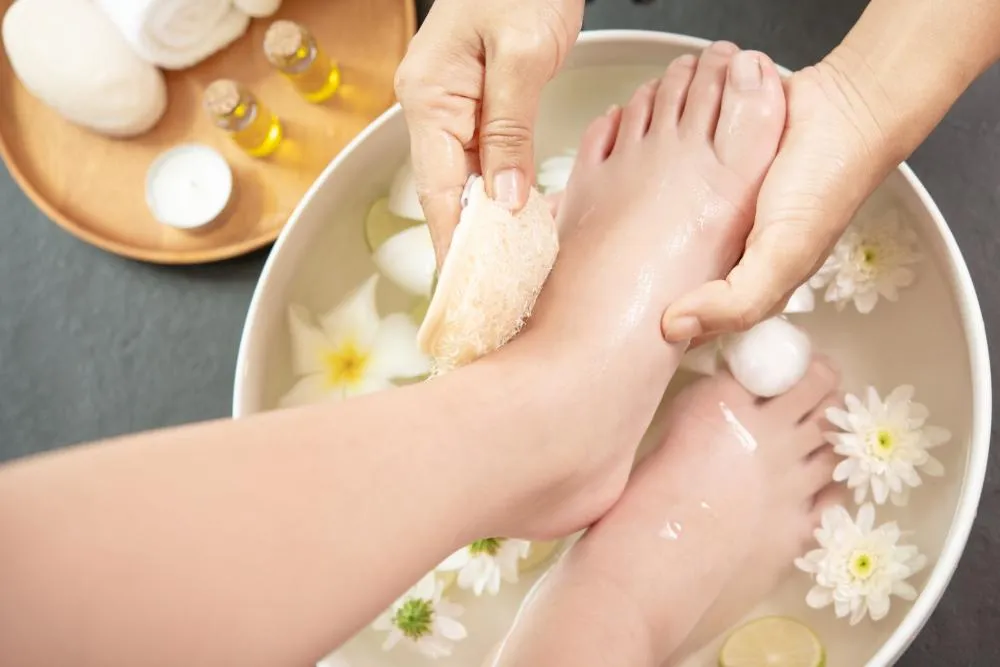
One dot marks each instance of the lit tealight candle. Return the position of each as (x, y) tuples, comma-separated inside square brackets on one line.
[(188, 186)]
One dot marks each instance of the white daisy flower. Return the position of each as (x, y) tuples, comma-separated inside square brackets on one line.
[(858, 567), (423, 619), (870, 260), (554, 173), (885, 444), (482, 565), (352, 351)]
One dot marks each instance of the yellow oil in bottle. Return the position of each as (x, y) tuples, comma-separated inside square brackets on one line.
[(252, 126), (294, 52)]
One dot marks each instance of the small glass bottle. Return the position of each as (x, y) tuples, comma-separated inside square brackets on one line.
[(236, 110), (294, 52)]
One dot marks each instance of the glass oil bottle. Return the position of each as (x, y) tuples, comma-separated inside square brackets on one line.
[(293, 51), (236, 110)]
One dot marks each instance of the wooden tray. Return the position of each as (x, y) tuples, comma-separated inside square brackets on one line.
[(94, 187)]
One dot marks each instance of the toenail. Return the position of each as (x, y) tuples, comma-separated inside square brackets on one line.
[(745, 72)]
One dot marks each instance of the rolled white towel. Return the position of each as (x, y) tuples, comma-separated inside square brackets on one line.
[(175, 34), (258, 8)]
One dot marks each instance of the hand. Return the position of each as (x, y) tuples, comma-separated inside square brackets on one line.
[(470, 85), (834, 153)]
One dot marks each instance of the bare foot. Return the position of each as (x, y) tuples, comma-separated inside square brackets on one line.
[(660, 201), (737, 483)]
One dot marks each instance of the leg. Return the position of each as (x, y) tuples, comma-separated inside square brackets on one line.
[(736, 484)]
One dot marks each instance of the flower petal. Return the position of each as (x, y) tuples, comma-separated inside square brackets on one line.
[(369, 384), (878, 606), (449, 628), (456, 561), (356, 318), (935, 435), (866, 518), (394, 352), (819, 597), (310, 389), (309, 343), (932, 467), (865, 301)]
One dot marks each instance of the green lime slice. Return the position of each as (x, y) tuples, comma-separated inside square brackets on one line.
[(381, 224), (773, 641)]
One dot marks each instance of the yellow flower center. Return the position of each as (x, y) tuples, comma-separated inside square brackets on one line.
[(862, 564), (882, 443), (345, 365)]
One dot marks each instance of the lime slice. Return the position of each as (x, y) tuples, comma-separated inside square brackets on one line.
[(539, 554), (773, 641), (381, 224)]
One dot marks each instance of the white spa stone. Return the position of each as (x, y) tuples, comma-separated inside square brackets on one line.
[(408, 260), (69, 55), (769, 358), (257, 8), (403, 198)]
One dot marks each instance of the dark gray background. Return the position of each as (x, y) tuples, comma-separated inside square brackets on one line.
[(92, 345)]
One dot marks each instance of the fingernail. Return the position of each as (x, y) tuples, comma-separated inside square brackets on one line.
[(682, 329), (611, 110), (745, 72), (508, 188)]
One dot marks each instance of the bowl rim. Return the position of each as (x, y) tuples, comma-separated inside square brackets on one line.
[(969, 309)]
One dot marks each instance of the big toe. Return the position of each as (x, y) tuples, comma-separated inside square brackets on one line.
[(752, 117)]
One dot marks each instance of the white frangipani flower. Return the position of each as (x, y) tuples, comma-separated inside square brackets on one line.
[(423, 619), (858, 567), (870, 260), (352, 351), (482, 565), (554, 173), (885, 445)]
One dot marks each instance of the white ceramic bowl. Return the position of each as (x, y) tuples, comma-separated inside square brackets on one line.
[(933, 337)]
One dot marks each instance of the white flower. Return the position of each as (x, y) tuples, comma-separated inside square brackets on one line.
[(554, 173), (333, 660), (352, 351), (885, 443), (802, 300), (870, 260), (423, 619), (858, 567), (483, 564)]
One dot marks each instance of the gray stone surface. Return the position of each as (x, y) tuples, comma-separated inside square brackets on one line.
[(93, 346)]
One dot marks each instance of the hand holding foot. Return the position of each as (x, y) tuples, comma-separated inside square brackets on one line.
[(660, 201)]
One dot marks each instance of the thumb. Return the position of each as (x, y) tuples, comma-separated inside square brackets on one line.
[(511, 94), (773, 265)]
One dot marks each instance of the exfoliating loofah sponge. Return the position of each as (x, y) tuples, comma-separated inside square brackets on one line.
[(494, 271)]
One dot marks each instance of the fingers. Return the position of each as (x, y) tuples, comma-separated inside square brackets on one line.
[(773, 265), (516, 72)]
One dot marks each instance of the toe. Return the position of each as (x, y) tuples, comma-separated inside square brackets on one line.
[(820, 380), (599, 137), (752, 117), (818, 470), (704, 98), (636, 115), (673, 92)]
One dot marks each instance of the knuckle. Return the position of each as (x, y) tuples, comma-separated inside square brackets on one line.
[(504, 133)]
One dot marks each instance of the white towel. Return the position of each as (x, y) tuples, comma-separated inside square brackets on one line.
[(175, 34)]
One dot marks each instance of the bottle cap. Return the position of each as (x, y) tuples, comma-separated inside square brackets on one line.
[(222, 97), (282, 42)]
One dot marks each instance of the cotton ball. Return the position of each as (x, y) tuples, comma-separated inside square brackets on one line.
[(769, 358), (403, 198)]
